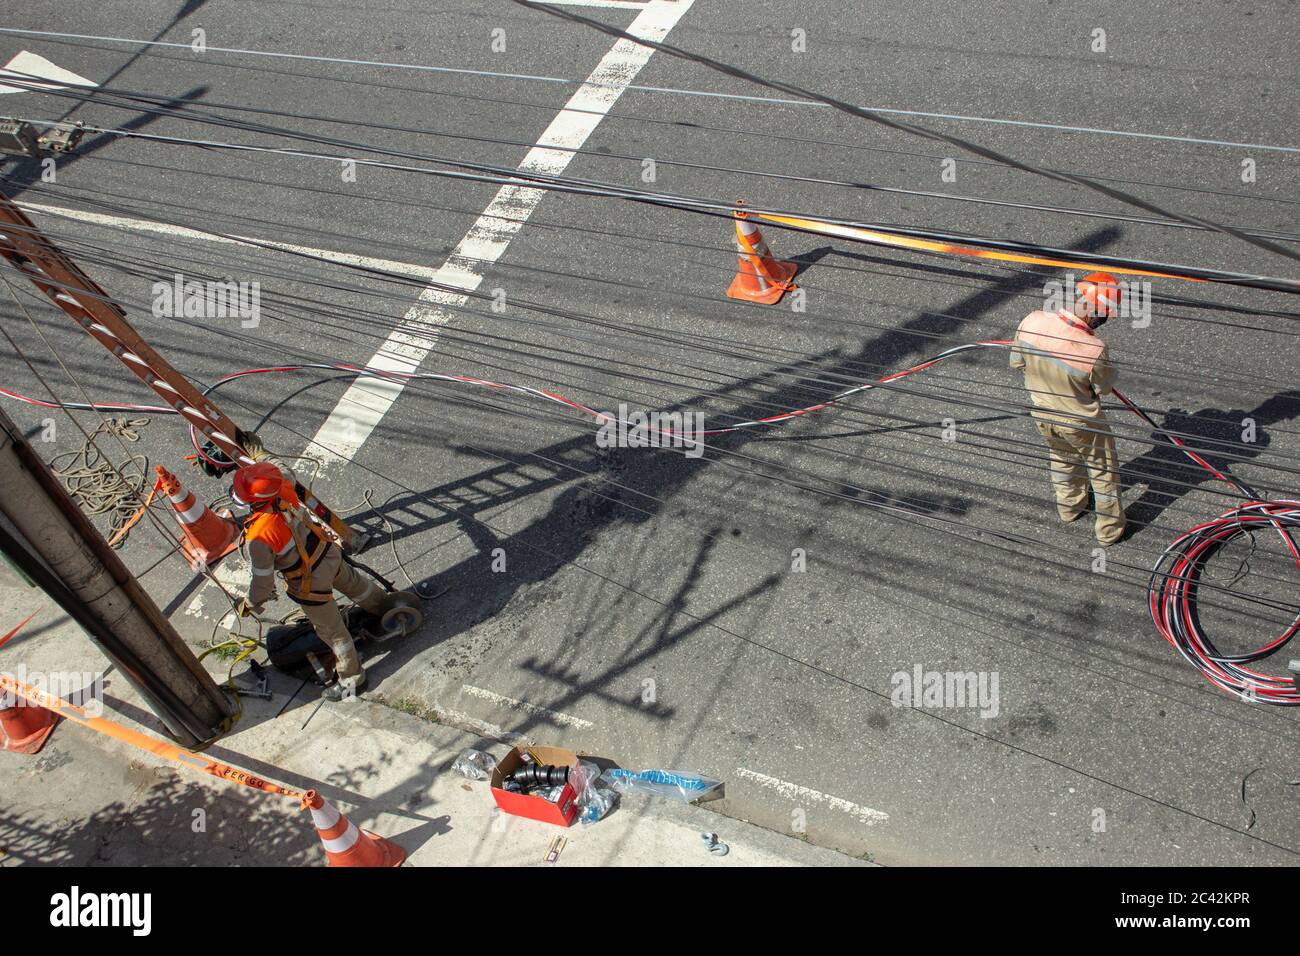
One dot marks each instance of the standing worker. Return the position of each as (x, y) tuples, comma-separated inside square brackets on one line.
[(281, 538), (1067, 370)]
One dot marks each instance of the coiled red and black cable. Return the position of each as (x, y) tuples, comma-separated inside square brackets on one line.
[(1176, 576)]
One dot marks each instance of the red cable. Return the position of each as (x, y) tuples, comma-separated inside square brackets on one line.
[(1171, 593)]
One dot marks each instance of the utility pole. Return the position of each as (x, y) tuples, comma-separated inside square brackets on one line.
[(45, 534)]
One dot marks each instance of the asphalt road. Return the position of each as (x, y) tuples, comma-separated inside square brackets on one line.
[(648, 609)]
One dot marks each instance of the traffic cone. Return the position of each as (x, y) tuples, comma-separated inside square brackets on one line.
[(346, 844), (208, 537), (761, 277), (25, 727)]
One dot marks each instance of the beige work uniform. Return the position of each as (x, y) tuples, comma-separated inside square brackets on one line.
[(1067, 368), (288, 543)]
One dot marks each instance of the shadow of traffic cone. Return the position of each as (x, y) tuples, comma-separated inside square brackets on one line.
[(760, 277), (24, 726), (208, 537), (345, 843)]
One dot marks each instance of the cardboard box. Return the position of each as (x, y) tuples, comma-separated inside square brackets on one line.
[(561, 813)]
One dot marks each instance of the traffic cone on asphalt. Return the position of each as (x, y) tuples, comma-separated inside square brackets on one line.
[(208, 537), (761, 277), (24, 727), (345, 843)]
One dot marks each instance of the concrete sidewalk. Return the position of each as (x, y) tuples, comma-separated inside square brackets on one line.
[(86, 799)]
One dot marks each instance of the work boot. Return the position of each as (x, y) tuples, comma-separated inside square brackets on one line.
[(345, 688)]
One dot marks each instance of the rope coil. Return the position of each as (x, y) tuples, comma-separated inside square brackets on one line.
[(98, 487)]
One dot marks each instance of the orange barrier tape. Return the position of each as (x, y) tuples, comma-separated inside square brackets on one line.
[(134, 518), (126, 735), (8, 637), (948, 248)]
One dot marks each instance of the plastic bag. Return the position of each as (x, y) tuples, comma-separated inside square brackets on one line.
[(583, 776), (661, 783), (475, 764), (599, 802), (593, 801)]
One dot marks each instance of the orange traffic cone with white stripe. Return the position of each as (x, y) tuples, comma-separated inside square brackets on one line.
[(208, 537), (345, 843), (761, 277), (24, 726)]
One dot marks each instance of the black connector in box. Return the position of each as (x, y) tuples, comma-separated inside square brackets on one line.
[(18, 139)]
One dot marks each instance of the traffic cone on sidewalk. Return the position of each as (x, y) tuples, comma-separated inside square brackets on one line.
[(208, 537), (345, 843), (760, 277), (24, 727)]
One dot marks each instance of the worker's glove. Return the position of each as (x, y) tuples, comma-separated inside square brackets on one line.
[(252, 445), (244, 609)]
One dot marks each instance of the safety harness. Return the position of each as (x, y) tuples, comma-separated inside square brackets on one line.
[(276, 529)]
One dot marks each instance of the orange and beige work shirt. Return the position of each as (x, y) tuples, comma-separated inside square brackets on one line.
[(1067, 367), (286, 541)]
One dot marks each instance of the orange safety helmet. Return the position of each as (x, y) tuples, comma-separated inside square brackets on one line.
[(1102, 292), (258, 484)]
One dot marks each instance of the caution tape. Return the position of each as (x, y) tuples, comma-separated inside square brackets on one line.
[(159, 748), (1027, 256), (136, 516)]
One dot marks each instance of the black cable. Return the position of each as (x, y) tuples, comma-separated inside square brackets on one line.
[(489, 173), (622, 115), (906, 127), (568, 313), (169, 107)]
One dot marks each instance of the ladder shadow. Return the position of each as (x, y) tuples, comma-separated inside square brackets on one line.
[(593, 505)]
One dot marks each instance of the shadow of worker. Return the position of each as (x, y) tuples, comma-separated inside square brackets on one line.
[(1221, 436)]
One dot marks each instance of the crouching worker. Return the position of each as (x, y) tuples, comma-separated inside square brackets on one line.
[(283, 539), (1067, 369)]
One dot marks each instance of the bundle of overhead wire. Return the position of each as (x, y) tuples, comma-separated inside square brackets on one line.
[(1175, 578)]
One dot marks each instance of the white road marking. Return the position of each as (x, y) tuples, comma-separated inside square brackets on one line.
[(233, 574), (793, 791), (616, 4), (428, 273), (1101, 131), (564, 720), (27, 65), (483, 728), (365, 403)]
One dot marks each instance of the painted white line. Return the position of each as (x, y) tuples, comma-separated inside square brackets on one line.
[(483, 728), (564, 720), (616, 4), (233, 574), (1101, 131), (364, 404), (28, 66), (798, 794), (428, 273)]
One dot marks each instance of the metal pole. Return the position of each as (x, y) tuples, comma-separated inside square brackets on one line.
[(55, 544)]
